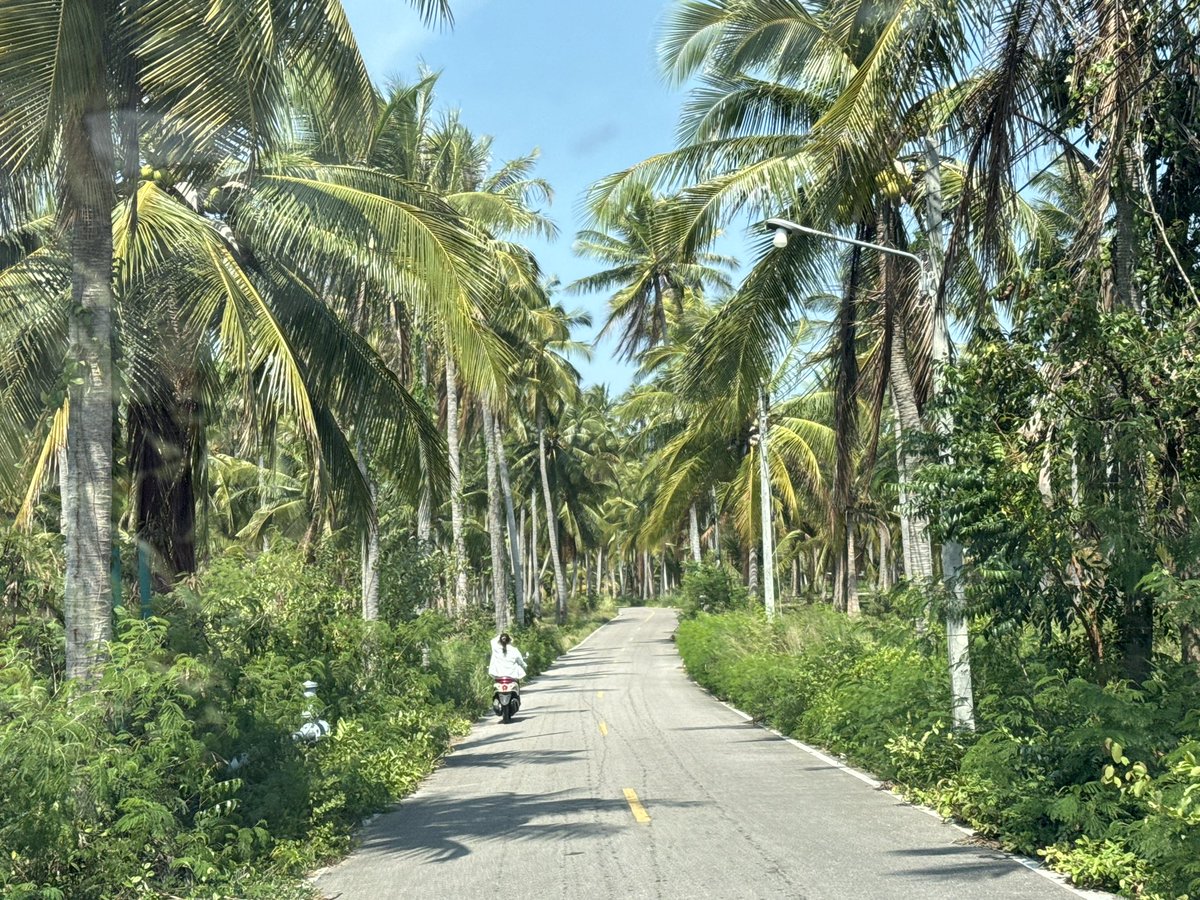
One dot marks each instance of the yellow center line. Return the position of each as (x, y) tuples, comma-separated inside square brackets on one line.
[(603, 729), (600, 694), (635, 806)]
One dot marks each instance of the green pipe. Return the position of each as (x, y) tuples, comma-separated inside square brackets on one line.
[(143, 568), (116, 575)]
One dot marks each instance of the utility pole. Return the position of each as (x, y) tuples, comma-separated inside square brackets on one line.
[(768, 538), (957, 640), (958, 645)]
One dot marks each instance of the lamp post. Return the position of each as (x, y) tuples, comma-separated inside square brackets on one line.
[(956, 626), (768, 537), (784, 228)]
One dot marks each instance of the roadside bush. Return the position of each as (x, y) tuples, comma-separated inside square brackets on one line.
[(1039, 775), (711, 588), (177, 775), (1166, 838)]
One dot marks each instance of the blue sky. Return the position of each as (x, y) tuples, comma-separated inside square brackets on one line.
[(578, 80)]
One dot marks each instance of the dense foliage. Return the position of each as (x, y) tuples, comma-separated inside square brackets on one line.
[(267, 325), (1101, 780), (177, 774)]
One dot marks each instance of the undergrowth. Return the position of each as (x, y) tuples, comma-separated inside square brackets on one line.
[(1102, 780), (177, 775)]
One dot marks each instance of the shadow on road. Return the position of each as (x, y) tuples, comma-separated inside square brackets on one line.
[(957, 862), (445, 829), (574, 663), (498, 737), (739, 726), (498, 759)]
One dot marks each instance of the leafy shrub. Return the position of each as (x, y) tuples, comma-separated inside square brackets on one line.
[(176, 774), (1039, 775), (1096, 864), (1167, 835), (711, 588)]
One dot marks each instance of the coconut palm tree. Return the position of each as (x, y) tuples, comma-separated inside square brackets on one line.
[(80, 82), (407, 140), (258, 316), (652, 275), (821, 113), (689, 440), (549, 384)]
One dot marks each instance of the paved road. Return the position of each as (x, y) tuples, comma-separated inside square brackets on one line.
[(539, 808)]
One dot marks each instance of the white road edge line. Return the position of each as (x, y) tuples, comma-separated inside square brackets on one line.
[(590, 635), (1032, 864)]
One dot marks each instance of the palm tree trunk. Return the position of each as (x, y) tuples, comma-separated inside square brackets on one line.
[(425, 501), (716, 527), (535, 584), (885, 557), (1189, 644), (694, 529), (662, 571), (1124, 244), (87, 497), (839, 573), (370, 541), (914, 526), (752, 575), (522, 575), (560, 578), (161, 453), (827, 578), (852, 605), (500, 560), (456, 507), (62, 484), (514, 533)]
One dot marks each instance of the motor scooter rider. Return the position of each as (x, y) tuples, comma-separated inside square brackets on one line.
[(507, 661)]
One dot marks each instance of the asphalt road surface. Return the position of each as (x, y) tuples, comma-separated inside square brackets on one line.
[(621, 778)]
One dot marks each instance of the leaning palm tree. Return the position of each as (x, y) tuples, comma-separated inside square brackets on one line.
[(820, 113), (446, 159), (689, 453)]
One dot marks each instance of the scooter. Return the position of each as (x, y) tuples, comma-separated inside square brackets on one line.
[(506, 698)]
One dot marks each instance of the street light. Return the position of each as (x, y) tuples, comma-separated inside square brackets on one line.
[(956, 628), (784, 228)]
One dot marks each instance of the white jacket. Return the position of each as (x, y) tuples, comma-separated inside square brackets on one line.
[(506, 665)]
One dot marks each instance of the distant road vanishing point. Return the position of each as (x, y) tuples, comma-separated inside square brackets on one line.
[(621, 778)]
